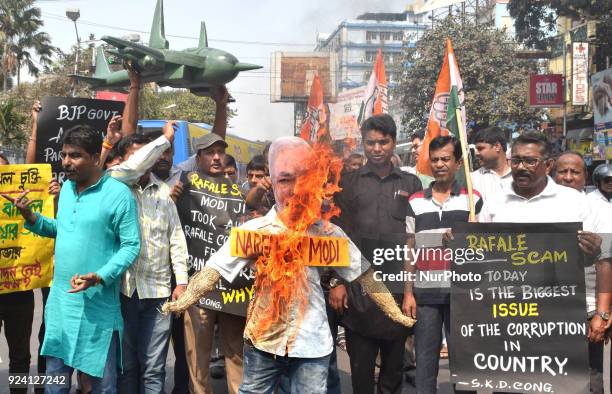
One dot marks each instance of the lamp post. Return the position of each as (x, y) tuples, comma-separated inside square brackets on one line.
[(73, 14)]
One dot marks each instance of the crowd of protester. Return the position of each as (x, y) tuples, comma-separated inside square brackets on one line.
[(121, 253)]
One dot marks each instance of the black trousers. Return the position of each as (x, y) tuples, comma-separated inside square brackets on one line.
[(181, 373), (363, 351), (16, 316), (596, 363)]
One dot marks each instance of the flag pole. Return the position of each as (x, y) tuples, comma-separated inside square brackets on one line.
[(466, 164)]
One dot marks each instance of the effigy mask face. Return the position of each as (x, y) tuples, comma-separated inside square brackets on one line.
[(289, 164)]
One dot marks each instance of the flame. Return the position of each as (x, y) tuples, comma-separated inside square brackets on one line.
[(282, 274)]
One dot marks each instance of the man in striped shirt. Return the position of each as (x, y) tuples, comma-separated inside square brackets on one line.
[(146, 284), (431, 213)]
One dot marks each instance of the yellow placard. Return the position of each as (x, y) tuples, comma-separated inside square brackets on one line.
[(26, 259), (241, 149), (317, 251)]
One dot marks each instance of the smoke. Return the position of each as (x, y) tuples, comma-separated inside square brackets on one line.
[(284, 22)]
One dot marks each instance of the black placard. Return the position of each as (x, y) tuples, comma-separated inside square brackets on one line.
[(522, 327), (59, 114), (208, 208)]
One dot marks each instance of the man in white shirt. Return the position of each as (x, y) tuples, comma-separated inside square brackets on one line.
[(146, 284), (494, 170), (602, 178), (298, 343), (533, 197), (571, 171), (417, 142)]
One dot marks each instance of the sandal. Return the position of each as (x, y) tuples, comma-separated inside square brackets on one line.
[(444, 352)]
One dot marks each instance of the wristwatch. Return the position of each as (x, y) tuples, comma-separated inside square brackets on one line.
[(334, 282), (605, 316)]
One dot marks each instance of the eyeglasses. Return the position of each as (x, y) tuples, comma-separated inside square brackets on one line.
[(528, 161)]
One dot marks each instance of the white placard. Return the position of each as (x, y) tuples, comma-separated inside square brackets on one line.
[(580, 73)]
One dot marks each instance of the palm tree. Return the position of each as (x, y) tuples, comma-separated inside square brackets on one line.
[(12, 124), (21, 39), (28, 45)]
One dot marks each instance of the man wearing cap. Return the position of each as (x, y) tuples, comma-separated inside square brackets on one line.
[(208, 207)]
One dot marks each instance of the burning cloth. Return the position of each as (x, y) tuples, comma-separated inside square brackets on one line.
[(287, 314)]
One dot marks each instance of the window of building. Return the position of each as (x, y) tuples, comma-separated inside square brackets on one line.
[(385, 36), (371, 56), (371, 35), (399, 36), (508, 23)]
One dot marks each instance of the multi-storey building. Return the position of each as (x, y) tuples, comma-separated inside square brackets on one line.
[(357, 41)]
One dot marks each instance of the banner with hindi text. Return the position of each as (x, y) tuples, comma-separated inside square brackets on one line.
[(26, 259)]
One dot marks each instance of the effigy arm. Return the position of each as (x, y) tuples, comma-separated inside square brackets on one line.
[(200, 284), (379, 293)]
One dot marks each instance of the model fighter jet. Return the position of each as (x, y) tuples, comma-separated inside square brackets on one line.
[(197, 69)]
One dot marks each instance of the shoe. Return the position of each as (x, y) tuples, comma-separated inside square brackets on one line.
[(217, 371), (341, 339), (444, 352)]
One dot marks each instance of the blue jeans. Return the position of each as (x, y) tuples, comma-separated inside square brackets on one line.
[(262, 372), (333, 378), (146, 337), (104, 385), (427, 343)]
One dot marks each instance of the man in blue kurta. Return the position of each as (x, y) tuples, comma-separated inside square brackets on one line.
[(97, 233)]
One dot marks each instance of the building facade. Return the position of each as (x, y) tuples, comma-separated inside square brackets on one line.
[(357, 41)]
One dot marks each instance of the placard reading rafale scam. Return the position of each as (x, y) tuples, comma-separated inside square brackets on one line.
[(209, 207), (58, 115), (523, 327)]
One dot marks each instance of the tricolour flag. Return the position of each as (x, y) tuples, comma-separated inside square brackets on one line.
[(447, 117), (314, 127), (442, 117), (375, 97)]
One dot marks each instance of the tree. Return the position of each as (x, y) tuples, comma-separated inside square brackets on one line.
[(12, 125), (494, 79), (177, 104), (535, 20), (21, 39), (26, 47), (52, 81), (154, 104)]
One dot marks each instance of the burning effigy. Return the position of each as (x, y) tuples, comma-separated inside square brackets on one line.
[(304, 181)]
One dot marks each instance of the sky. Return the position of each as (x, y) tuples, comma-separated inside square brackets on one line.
[(250, 30)]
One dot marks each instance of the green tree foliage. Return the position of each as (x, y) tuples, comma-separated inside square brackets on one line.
[(176, 104), (154, 103), (535, 20), (12, 125), (53, 81), (495, 81), (21, 40)]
